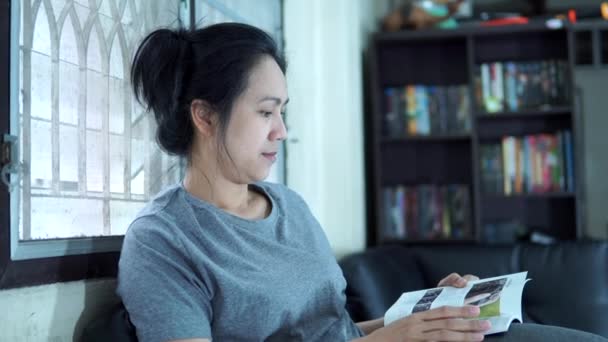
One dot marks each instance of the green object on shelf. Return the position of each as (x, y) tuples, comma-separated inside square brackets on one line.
[(438, 10)]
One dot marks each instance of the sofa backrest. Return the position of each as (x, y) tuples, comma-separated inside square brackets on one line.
[(569, 286)]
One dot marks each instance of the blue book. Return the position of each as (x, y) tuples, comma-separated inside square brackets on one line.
[(511, 87), (422, 102), (387, 206), (568, 152)]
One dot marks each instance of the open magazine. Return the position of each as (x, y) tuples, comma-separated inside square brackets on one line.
[(498, 298)]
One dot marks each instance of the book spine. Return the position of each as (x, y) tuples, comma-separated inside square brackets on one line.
[(546, 163), (569, 161), (485, 86), (387, 205), (561, 161), (412, 118), (511, 86), (402, 112), (525, 164), (447, 222), (506, 163), (464, 109), (412, 212), (389, 114), (518, 156), (499, 89), (399, 212), (443, 108), (424, 125)]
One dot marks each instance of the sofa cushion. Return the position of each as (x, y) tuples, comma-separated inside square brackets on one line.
[(115, 327)]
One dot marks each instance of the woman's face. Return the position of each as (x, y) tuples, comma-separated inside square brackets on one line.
[(256, 127)]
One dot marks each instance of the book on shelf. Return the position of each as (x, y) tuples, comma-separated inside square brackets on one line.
[(426, 212), (514, 86), (498, 298), (414, 110), (540, 163)]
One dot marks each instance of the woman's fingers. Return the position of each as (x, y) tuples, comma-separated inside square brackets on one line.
[(457, 324), (447, 335), (452, 279), (470, 277), (449, 312), (456, 280)]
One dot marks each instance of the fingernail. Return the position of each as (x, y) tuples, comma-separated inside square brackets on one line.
[(486, 325), (478, 337)]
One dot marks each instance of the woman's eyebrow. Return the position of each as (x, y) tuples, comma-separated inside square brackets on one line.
[(275, 99)]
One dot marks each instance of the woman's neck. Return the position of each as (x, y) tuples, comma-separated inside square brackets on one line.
[(217, 190)]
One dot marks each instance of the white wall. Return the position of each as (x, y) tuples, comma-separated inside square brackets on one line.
[(324, 43)]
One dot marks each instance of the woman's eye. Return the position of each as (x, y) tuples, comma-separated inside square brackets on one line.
[(266, 114)]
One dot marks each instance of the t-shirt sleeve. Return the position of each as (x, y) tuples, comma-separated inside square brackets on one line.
[(165, 298)]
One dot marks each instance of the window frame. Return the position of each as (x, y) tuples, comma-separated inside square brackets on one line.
[(29, 263), (57, 247), (19, 273)]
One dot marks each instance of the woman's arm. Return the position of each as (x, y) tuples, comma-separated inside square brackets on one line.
[(369, 327)]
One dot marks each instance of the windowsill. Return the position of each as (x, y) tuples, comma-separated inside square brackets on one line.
[(35, 249)]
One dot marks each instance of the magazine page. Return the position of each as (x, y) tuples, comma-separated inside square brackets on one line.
[(499, 299)]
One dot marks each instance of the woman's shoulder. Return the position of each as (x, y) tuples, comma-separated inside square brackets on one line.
[(158, 214), (160, 201)]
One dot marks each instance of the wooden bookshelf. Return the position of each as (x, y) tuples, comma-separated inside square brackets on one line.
[(437, 58)]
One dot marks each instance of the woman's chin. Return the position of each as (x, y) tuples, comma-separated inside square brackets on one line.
[(260, 175)]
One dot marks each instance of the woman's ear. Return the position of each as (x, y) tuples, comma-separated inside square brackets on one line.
[(203, 117)]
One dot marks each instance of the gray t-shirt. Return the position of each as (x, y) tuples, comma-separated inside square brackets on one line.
[(190, 270)]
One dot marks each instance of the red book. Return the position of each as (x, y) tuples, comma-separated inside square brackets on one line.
[(506, 21)]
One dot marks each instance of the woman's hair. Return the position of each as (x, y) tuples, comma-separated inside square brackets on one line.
[(171, 68)]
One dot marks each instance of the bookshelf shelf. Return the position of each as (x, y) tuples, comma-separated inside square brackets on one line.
[(528, 113), (411, 75), (527, 196), (428, 138), (429, 241)]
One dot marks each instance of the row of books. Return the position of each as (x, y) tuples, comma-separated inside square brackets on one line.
[(426, 212), (425, 110), (513, 86), (531, 164)]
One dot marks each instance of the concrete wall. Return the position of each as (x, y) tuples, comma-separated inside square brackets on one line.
[(56, 312)]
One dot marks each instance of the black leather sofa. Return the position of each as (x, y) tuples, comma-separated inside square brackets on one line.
[(569, 284)]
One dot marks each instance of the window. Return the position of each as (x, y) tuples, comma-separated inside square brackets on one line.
[(88, 160)]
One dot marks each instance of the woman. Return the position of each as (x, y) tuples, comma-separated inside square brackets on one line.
[(223, 255)]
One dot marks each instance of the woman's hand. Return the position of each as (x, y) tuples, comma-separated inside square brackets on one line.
[(441, 324), (456, 280)]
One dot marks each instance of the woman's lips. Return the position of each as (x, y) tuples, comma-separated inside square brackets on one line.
[(270, 156)]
